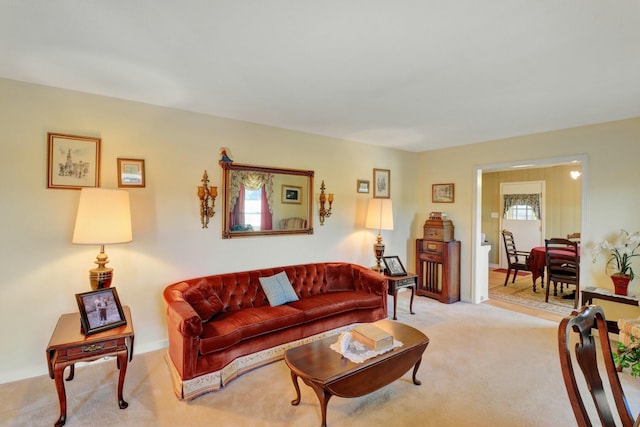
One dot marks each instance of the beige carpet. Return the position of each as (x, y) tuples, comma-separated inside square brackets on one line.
[(521, 293), (485, 366)]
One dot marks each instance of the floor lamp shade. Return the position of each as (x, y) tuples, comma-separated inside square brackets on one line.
[(379, 217), (103, 218)]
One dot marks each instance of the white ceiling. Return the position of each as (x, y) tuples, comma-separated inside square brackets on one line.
[(411, 74)]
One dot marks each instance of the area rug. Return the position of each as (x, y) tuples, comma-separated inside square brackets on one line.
[(521, 292)]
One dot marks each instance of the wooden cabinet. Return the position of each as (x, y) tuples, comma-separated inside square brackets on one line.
[(438, 269)]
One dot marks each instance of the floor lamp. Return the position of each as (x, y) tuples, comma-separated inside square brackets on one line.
[(379, 217)]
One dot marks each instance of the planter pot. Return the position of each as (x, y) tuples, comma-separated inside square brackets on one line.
[(620, 284)]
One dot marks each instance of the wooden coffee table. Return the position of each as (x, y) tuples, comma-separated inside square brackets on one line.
[(328, 373)]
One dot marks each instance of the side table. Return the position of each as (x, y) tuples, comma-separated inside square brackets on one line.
[(398, 282), (68, 345), (591, 293)]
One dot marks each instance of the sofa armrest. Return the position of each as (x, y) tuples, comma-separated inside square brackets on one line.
[(370, 281), (183, 318)]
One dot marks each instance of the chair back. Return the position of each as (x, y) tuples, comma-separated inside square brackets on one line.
[(563, 262), (581, 323), (510, 247)]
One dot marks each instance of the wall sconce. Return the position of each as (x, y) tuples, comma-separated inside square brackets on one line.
[(575, 174), (207, 197), (323, 199)]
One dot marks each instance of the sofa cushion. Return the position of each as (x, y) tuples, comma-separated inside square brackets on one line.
[(204, 300), (218, 335), (278, 289), (330, 304), (339, 277)]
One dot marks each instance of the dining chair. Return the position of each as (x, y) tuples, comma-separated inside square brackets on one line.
[(516, 260), (583, 342), (563, 266)]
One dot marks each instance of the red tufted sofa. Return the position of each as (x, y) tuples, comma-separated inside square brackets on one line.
[(222, 325)]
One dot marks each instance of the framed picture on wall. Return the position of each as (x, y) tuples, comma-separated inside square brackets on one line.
[(73, 162), (291, 194), (381, 183), (442, 193), (131, 173), (363, 186)]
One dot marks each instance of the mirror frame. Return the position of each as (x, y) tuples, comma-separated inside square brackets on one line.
[(226, 214)]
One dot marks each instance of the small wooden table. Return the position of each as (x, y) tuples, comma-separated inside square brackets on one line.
[(398, 282), (591, 293), (328, 373), (68, 345)]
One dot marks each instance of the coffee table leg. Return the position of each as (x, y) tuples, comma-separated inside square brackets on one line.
[(294, 378), (416, 381), (323, 397)]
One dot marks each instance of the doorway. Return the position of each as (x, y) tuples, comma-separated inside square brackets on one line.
[(479, 285)]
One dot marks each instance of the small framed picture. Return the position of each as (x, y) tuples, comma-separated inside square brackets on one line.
[(393, 266), (363, 186), (381, 183), (131, 173), (442, 193), (100, 310), (73, 162), (291, 194)]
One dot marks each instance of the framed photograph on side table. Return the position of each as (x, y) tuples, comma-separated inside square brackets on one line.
[(381, 183), (131, 173), (393, 266), (73, 162), (100, 310)]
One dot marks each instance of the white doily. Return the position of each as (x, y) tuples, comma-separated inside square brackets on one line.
[(356, 351)]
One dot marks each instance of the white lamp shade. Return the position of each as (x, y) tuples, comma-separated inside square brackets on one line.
[(379, 214), (104, 217)]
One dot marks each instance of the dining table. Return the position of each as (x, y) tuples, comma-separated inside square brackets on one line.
[(538, 262)]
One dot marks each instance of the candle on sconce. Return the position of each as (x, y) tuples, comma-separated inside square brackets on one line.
[(330, 198)]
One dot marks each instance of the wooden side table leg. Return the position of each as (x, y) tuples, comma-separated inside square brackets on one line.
[(395, 304), (413, 291), (416, 381), (122, 365), (58, 376)]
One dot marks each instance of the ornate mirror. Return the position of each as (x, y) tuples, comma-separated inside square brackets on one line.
[(266, 201)]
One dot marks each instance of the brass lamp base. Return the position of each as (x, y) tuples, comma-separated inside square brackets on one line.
[(101, 277), (378, 250)]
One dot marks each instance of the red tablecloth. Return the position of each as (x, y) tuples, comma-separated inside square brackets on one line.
[(537, 261)]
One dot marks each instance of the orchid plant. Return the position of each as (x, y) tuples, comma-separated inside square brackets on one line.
[(620, 251)]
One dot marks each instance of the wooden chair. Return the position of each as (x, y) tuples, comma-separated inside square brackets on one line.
[(574, 237), (563, 266), (516, 260), (581, 323)]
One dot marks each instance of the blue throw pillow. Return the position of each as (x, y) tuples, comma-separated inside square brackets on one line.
[(278, 289)]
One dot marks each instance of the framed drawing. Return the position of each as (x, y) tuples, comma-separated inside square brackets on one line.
[(393, 266), (381, 183), (73, 162), (363, 186), (130, 173), (100, 310), (291, 194), (442, 193)]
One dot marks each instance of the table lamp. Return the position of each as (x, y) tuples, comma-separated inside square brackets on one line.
[(103, 218), (379, 217)]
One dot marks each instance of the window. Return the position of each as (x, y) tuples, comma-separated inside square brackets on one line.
[(521, 212), (521, 206), (253, 208)]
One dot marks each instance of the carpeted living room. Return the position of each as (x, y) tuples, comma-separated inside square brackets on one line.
[(484, 366), (245, 141)]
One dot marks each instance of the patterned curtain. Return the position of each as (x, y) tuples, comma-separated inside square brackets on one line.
[(252, 181), (532, 200)]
